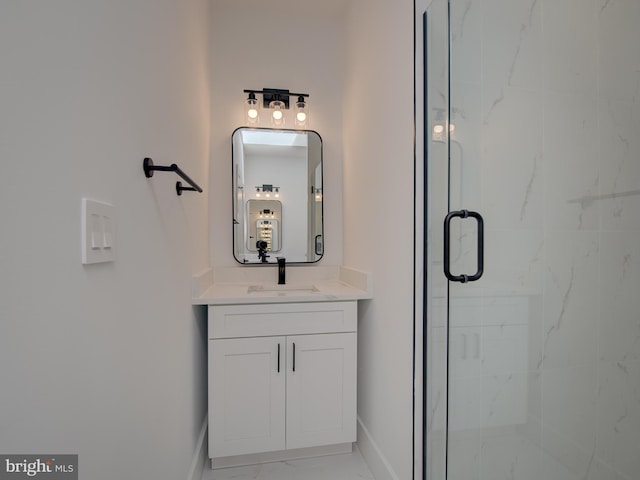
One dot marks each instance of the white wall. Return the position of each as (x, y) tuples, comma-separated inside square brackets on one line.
[(289, 45), (106, 361), (378, 221)]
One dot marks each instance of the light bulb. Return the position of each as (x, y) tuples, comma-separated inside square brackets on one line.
[(301, 112), (277, 112), (438, 128), (251, 108)]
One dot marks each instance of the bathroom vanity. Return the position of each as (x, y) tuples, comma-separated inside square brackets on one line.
[(282, 357), (281, 376), (282, 363)]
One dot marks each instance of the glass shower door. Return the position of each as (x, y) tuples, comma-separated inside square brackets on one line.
[(542, 132)]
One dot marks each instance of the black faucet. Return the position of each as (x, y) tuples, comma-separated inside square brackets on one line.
[(281, 270)]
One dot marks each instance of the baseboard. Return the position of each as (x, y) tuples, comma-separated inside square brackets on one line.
[(200, 454), (372, 455)]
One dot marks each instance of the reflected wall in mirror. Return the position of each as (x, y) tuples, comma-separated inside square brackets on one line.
[(279, 173), (265, 223)]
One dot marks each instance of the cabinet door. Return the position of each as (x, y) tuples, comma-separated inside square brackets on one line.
[(246, 396), (321, 389)]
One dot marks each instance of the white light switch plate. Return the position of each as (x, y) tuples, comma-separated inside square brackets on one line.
[(98, 232)]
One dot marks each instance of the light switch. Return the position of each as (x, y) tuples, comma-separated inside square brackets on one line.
[(98, 232), (107, 233)]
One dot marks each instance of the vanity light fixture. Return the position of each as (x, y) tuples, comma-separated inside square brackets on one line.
[(267, 190), (277, 102)]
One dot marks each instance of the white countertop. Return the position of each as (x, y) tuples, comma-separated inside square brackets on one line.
[(250, 285)]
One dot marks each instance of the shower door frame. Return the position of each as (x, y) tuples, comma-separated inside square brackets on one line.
[(423, 245)]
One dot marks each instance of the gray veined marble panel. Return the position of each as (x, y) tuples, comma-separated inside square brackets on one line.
[(511, 47), (619, 136), (571, 302), (619, 418), (465, 450), (512, 158), (516, 257), (570, 36), (466, 28), (571, 161), (504, 400), (619, 329), (510, 454), (569, 416), (619, 57), (466, 145)]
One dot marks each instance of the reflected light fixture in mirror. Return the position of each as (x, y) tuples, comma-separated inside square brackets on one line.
[(438, 125), (267, 190), (276, 102), (266, 213), (440, 121)]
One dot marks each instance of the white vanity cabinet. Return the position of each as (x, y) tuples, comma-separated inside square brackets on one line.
[(246, 396), (282, 377)]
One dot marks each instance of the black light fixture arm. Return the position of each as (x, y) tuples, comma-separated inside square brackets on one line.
[(270, 94), (149, 168)]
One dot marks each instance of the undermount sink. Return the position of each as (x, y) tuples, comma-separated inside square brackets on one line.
[(281, 290)]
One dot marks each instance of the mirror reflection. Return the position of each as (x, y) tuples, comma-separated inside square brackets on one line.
[(265, 218), (277, 188)]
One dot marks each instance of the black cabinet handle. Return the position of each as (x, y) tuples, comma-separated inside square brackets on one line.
[(294, 357), (447, 227), (278, 358)]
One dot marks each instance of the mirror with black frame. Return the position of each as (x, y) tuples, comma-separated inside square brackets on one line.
[(277, 196)]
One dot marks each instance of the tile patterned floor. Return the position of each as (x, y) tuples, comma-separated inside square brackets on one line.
[(348, 466)]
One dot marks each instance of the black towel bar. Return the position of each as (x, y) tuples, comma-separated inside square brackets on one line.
[(149, 168)]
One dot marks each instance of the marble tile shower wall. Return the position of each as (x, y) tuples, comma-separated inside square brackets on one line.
[(545, 99)]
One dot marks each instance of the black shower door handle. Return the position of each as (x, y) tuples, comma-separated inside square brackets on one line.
[(447, 252)]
